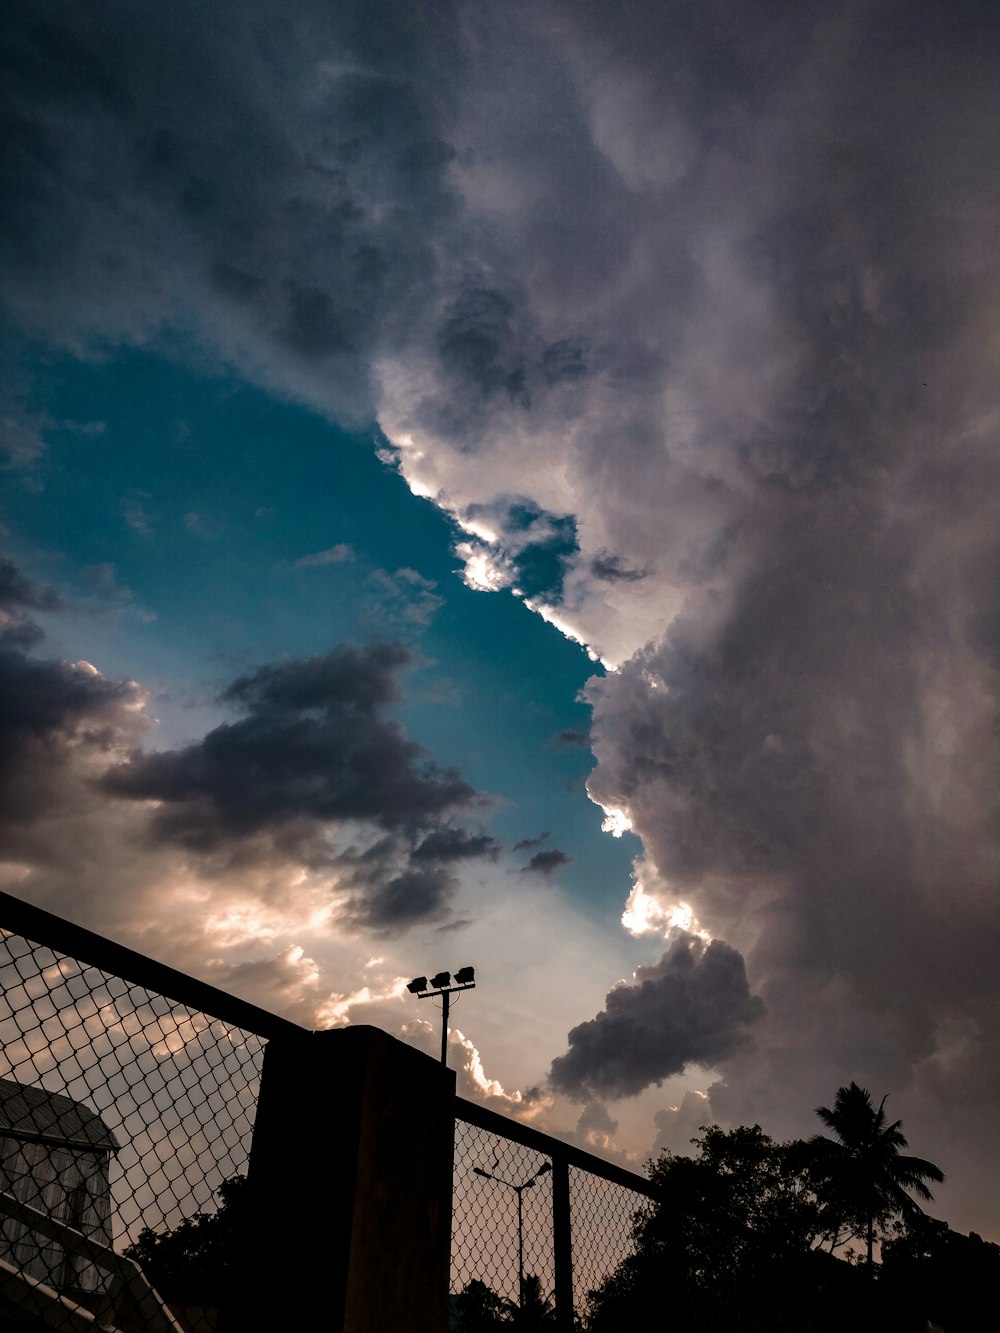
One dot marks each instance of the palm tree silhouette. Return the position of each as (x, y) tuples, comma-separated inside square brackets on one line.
[(861, 1177)]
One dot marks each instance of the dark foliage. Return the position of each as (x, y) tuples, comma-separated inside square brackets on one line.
[(941, 1275), (862, 1178), (736, 1240), (728, 1244), (193, 1263), (478, 1309)]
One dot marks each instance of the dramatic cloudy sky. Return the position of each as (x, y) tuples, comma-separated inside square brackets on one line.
[(418, 420)]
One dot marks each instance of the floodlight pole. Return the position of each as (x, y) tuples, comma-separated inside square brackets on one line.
[(438, 985), (446, 997)]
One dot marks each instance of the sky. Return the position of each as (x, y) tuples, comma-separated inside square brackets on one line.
[(516, 485)]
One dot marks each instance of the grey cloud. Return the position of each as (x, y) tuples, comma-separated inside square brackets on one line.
[(595, 1117), (60, 725), (398, 881), (694, 1006), (313, 753), (613, 568), (53, 717), (285, 983), (547, 863), (283, 205), (418, 893), (527, 843), (17, 592), (314, 745), (479, 345), (455, 844), (676, 1126)]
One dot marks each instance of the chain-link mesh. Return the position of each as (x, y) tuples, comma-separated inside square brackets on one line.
[(490, 1251), (603, 1215), (492, 1176), (122, 1113)]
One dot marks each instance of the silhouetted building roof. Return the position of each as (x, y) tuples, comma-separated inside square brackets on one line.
[(32, 1113)]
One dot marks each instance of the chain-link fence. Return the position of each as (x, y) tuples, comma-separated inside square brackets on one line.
[(501, 1217), (536, 1225), (603, 1213), (125, 1121), (128, 1100)]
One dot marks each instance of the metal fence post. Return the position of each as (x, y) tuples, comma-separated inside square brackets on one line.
[(562, 1244)]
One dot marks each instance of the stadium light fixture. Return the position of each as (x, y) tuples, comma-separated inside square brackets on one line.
[(465, 979)]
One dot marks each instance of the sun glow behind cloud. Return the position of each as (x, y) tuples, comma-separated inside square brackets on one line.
[(483, 570), (645, 914)]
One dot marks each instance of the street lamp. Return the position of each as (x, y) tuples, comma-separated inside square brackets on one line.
[(464, 979), (518, 1190)]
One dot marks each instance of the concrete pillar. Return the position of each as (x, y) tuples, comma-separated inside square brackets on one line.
[(349, 1223)]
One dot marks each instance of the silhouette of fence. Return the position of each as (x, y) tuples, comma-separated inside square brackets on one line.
[(129, 1092), (127, 1096), (529, 1206)]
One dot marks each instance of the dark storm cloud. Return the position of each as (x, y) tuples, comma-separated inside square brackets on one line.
[(806, 752), (694, 1006), (161, 169), (547, 863), (314, 752), (315, 745), (419, 893), (480, 346), (52, 715), (394, 884), (61, 723)]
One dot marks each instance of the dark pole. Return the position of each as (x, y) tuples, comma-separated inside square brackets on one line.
[(444, 1027), (562, 1245), (520, 1247)]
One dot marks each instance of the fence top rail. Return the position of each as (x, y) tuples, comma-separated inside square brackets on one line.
[(52, 932), (483, 1118)]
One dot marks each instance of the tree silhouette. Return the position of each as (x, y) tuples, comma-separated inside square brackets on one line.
[(727, 1244), (194, 1263), (534, 1312), (478, 1309), (861, 1178)]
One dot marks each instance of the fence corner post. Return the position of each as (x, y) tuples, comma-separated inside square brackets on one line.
[(562, 1244), (350, 1188)]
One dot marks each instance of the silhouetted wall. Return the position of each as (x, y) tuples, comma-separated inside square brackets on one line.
[(350, 1184)]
